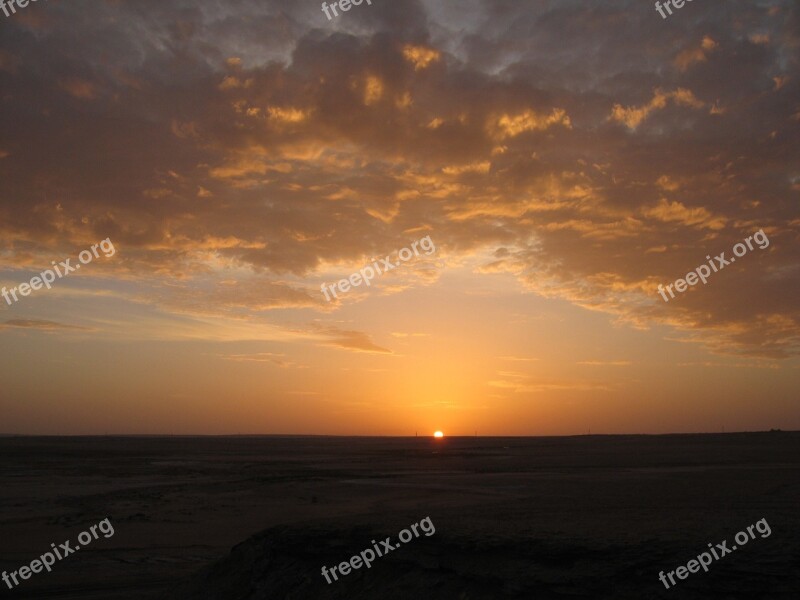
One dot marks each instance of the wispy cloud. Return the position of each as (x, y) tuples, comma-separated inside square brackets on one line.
[(41, 325), (606, 363)]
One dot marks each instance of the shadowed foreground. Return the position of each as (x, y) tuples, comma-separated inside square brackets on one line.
[(286, 563), (581, 517)]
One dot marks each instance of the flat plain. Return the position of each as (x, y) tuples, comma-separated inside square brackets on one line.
[(255, 517)]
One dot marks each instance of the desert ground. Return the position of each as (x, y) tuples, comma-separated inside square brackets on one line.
[(258, 517)]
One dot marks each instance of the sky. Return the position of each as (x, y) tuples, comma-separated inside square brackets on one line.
[(560, 160)]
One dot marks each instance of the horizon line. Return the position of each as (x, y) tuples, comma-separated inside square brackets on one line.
[(325, 435)]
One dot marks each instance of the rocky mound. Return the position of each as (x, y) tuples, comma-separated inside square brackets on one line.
[(286, 562)]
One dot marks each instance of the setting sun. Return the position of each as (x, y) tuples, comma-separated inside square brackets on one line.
[(438, 434)]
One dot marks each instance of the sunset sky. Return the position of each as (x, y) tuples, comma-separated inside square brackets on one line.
[(564, 157)]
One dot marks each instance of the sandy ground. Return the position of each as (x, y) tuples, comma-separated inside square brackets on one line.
[(257, 517)]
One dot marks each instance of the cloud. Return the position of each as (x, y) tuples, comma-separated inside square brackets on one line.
[(674, 211), (420, 56), (529, 385), (41, 325), (200, 296), (511, 125), (356, 341), (260, 357), (633, 116), (605, 363), (79, 88), (250, 144), (697, 54)]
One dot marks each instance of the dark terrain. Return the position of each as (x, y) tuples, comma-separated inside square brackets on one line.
[(258, 517)]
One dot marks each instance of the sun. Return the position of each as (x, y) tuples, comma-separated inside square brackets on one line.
[(438, 434)]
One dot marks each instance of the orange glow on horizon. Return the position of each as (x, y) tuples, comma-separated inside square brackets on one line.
[(438, 434)]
